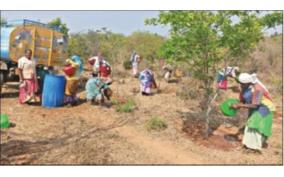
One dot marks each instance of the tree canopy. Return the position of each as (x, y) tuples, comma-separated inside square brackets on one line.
[(203, 38), (57, 23), (115, 46)]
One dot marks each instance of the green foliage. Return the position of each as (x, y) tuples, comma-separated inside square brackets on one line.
[(57, 23), (125, 107), (204, 39), (156, 123), (277, 84), (272, 19), (116, 47), (127, 64), (146, 44), (88, 44), (77, 46)]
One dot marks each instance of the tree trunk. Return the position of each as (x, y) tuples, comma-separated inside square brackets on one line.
[(207, 115)]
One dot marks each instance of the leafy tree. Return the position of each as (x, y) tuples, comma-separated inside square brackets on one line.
[(204, 39), (271, 20), (57, 23)]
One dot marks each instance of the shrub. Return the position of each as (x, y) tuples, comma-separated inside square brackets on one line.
[(127, 65), (156, 123), (277, 84), (125, 107), (186, 93)]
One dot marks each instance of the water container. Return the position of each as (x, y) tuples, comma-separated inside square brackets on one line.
[(53, 91), (4, 121), (41, 73), (5, 41), (69, 70)]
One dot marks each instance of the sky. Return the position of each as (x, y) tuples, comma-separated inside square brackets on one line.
[(125, 22)]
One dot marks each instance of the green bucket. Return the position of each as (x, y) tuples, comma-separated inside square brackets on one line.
[(4, 122), (225, 107)]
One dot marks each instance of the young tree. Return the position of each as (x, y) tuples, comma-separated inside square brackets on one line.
[(203, 39)]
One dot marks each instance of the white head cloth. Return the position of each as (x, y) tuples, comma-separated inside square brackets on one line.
[(246, 78)]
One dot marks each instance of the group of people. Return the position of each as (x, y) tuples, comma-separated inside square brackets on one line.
[(97, 86), (146, 76), (254, 96)]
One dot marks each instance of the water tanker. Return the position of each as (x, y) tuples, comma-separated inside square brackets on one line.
[(49, 45)]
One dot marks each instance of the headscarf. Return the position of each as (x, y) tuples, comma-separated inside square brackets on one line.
[(246, 78), (78, 60), (230, 71)]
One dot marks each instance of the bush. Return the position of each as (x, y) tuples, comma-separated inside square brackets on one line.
[(156, 123), (125, 107), (277, 84), (127, 65)]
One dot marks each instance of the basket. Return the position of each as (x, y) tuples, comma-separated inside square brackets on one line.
[(226, 109)]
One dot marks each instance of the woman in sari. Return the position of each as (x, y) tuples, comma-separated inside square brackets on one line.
[(72, 82), (256, 98), (28, 78), (96, 90), (147, 81)]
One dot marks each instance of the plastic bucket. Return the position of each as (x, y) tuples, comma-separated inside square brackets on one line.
[(225, 107), (69, 70), (5, 123), (53, 91)]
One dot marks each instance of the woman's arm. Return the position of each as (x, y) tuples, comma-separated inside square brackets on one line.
[(21, 74), (21, 67), (240, 105)]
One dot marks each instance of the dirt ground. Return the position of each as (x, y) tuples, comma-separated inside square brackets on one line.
[(88, 134)]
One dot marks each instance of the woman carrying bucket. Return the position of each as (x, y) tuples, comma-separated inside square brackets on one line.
[(255, 97)]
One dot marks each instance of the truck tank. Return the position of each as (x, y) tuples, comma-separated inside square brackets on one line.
[(5, 42)]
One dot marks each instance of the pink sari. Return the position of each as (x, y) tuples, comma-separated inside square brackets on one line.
[(29, 88)]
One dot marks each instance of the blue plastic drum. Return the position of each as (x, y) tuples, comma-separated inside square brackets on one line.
[(53, 91)]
